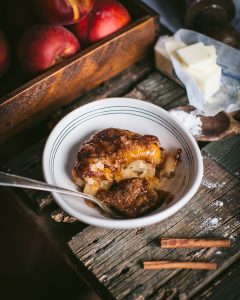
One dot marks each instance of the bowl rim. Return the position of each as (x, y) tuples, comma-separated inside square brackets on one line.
[(136, 222)]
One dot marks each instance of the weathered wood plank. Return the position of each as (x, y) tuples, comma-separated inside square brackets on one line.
[(161, 91), (225, 286), (115, 257), (226, 153)]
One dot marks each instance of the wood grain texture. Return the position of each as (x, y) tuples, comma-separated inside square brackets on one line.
[(226, 286), (69, 79), (115, 257), (161, 91), (226, 153)]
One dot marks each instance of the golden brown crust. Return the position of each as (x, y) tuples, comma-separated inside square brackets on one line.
[(107, 151), (124, 170)]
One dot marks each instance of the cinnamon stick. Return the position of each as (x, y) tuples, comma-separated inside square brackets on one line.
[(157, 265), (194, 243)]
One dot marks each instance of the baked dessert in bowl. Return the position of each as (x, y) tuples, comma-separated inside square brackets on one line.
[(124, 170), (123, 151)]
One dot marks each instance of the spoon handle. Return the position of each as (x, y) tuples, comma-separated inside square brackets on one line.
[(7, 179)]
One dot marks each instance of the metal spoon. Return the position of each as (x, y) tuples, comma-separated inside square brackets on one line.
[(7, 179), (214, 128)]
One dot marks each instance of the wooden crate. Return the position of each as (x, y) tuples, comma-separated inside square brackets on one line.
[(66, 81)]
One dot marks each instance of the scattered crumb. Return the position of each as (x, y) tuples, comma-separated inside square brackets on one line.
[(211, 223), (237, 173), (139, 230), (217, 203), (190, 121), (212, 185), (218, 253)]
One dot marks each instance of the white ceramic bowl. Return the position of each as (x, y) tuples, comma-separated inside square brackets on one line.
[(139, 116)]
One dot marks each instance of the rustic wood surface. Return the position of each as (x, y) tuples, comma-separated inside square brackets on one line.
[(111, 260), (226, 286), (115, 256), (68, 80), (226, 152)]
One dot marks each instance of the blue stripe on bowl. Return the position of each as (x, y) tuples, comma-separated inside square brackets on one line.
[(69, 128), (115, 110)]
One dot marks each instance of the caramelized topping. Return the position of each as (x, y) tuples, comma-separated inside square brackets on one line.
[(125, 170)]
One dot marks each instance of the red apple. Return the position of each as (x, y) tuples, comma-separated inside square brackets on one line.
[(62, 12), (106, 17), (43, 46), (4, 54), (81, 29)]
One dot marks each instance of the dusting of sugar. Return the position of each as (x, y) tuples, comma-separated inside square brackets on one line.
[(218, 203), (212, 185), (211, 223), (232, 237), (226, 227), (190, 121)]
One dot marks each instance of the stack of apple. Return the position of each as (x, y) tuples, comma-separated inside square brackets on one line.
[(48, 42)]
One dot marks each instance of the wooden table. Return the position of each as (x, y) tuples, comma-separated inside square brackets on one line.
[(111, 260)]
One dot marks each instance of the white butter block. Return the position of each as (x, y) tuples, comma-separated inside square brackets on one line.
[(197, 59), (196, 55), (209, 80), (173, 45), (163, 49), (212, 51), (206, 66), (167, 46)]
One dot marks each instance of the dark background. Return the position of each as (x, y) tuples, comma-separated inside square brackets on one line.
[(29, 267)]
